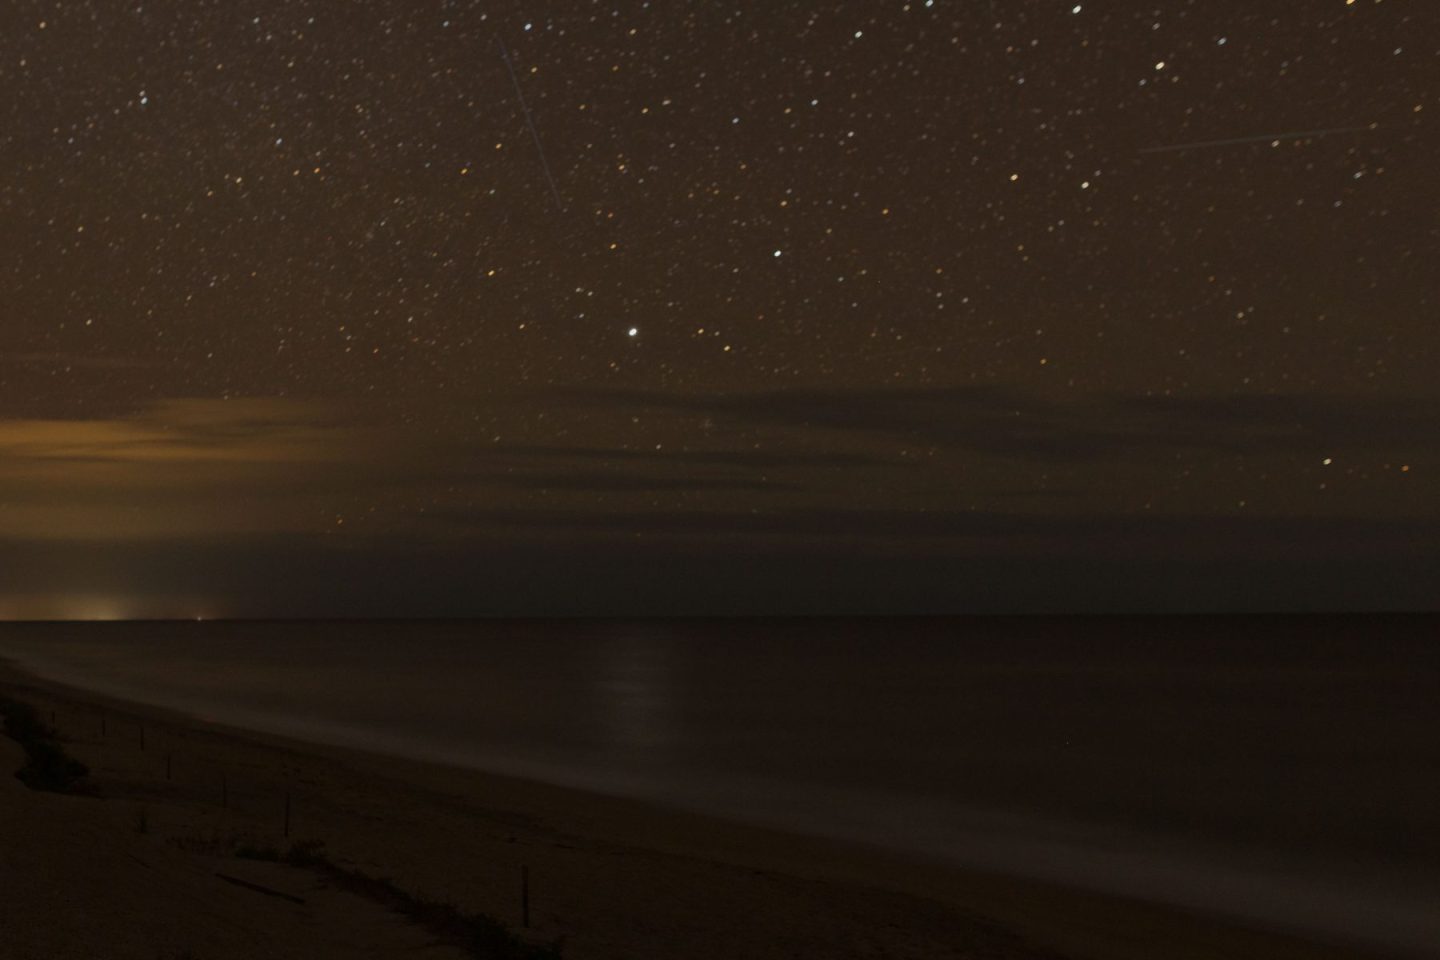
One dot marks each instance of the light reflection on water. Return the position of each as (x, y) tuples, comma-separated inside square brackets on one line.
[(636, 693)]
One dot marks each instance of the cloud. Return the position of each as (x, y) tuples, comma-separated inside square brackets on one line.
[(253, 431), (590, 482), (819, 467), (175, 467), (1088, 429), (743, 459), (217, 469), (977, 533)]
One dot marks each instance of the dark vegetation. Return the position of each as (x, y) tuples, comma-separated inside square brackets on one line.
[(476, 933), (250, 851), (47, 765)]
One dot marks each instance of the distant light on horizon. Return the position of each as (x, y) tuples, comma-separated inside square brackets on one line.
[(97, 608), (104, 608)]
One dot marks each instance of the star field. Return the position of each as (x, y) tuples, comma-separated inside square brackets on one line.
[(850, 260)]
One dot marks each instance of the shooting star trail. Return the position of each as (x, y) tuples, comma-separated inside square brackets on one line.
[(1260, 138), (530, 122)]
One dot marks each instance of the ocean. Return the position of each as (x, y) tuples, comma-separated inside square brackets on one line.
[(1280, 770)]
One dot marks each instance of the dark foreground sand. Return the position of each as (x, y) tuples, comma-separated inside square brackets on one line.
[(610, 878)]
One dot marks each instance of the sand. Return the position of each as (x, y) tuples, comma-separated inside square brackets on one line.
[(133, 873)]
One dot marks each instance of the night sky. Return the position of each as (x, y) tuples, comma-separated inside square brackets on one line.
[(744, 308)]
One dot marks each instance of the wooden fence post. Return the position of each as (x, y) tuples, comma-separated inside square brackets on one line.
[(524, 896)]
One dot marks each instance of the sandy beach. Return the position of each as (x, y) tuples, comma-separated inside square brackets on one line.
[(137, 871)]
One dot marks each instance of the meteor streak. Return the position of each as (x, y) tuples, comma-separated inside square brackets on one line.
[(1260, 138), (530, 122)]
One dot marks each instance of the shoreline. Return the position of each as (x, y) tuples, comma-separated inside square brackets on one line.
[(613, 876)]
